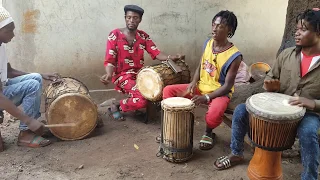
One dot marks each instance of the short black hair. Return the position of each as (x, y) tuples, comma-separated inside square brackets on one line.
[(312, 17), (133, 8), (230, 19)]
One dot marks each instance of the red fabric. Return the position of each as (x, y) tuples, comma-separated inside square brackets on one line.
[(126, 84), (305, 64), (216, 109), (126, 58)]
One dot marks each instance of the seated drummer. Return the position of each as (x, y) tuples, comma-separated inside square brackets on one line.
[(214, 77), (125, 57), (295, 73), (20, 88)]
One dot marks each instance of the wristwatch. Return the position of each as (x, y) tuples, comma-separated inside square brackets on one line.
[(207, 97)]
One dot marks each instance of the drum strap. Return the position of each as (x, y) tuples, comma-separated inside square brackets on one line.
[(275, 149)]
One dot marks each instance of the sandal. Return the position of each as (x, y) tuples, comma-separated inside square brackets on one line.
[(35, 141), (206, 142), (226, 163), (116, 115)]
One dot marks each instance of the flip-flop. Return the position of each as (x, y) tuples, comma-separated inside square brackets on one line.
[(116, 115), (35, 142), (225, 161), (206, 142)]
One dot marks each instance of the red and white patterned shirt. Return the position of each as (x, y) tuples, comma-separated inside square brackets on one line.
[(127, 59)]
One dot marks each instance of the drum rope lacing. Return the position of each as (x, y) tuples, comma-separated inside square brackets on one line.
[(59, 83)]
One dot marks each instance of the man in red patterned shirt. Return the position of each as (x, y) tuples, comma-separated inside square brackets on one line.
[(125, 57)]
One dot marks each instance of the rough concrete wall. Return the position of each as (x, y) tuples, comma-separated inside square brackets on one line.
[(69, 36)]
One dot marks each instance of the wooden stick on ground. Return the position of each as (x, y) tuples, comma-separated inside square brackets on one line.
[(101, 90)]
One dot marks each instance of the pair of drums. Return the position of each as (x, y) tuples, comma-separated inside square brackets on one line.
[(273, 125)]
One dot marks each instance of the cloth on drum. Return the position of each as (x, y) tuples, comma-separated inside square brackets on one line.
[(243, 75), (216, 109), (307, 133), (126, 84)]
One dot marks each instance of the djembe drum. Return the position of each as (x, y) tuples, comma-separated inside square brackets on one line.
[(177, 125), (273, 127), (67, 101), (152, 79)]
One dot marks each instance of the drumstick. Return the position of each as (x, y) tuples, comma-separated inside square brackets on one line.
[(101, 90), (60, 125)]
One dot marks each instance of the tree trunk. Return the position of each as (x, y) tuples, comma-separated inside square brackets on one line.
[(294, 8)]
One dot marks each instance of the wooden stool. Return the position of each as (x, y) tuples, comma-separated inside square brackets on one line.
[(153, 112)]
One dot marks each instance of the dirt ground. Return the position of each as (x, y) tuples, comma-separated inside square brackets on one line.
[(109, 153)]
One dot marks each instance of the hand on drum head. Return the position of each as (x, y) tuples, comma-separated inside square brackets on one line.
[(51, 77), (302, 102), (36, 126), (106, 79), (272, 85), (199, 100)]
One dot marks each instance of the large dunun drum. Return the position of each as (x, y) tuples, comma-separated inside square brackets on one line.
[(68, 101)]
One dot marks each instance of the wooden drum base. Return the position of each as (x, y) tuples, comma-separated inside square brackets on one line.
[(265, 165)]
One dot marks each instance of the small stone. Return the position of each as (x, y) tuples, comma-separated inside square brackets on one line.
[(80, 167)]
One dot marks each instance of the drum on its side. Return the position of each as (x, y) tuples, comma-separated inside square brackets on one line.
[(273, 126), (177, 126), (68, 101), (152, 79)]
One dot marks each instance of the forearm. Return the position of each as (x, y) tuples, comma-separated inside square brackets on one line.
[(317, 107), (162, 56), (222, 91), (196, 76), (8, 106), (12, 73), (109, 69)]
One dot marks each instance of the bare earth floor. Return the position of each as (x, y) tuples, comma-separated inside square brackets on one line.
[(110, 154)]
